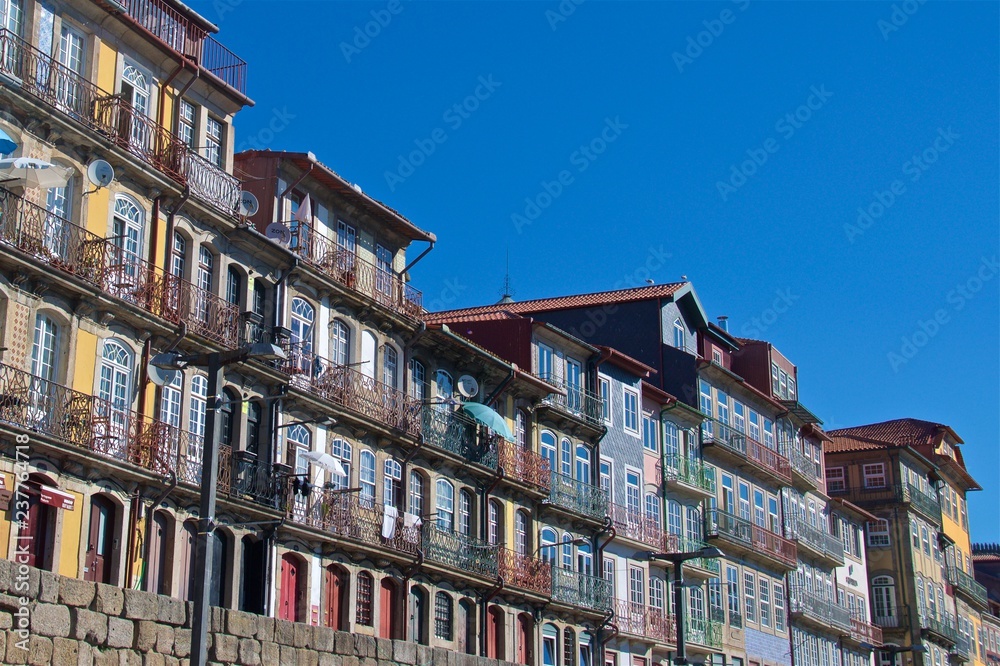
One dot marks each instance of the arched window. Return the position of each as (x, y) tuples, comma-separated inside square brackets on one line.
[(582, 463), (550, 640), (678, 334), (417, 492), (884, 598), (303, 316), (196, 421), (205, 282), (465, 512), (367, 478), (521, 532), (45, 349), (341, 449), (653, 509), (444, 386), (391, 482), (178, 256), (418, 380), (444, 625), (299, 443), (234, 286), (340, 343), (656, 592), (549, 449), (389, 358), (170, 401), (674, 524), (521, 428), (584, 559), (259, 296), (365, 592), (566, 458), (495, 522), (671, 444), (127, 230), (567, 551), (547, 547), (445, 506)]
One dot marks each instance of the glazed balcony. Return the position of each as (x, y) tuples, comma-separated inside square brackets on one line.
[(523, 465), (703, 566), (24, 67), (817, 610), (817, 542), (645, 622), (688, 476), (359, 276), (455, 433), (578, 402), (865, 632), (365, 397), (939, 627), (525, 572), (753, 540), (632, 524), (963, 649), (808, 472), (348, 516), (102, 262), (735, 444), (578, 589), (967, 586), (578, 497), (459, 551), (904, 493), (699, 631)]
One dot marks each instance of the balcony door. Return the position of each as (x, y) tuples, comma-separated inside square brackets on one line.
[(574, 389), (68, 78), (368, 347), (133, 121), (115, 393)]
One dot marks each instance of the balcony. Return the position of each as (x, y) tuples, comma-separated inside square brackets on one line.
[(817, 542), (459, 551), (863, 632), (753, 540), (963, 649), (699, 631), (454, 432), (673, 543), (740, 446), (809, 472), (186, 38), (578, 497), (526, 572), (969, 587), (632, 524), (364, 396), (688, 476), (578, 402), (350, 517), (811, 607), (942, 628), (895, 494), (241, 477), (523, 465), (24, 67), (103, 263), (360, 276), (578, 589), (645, 622)]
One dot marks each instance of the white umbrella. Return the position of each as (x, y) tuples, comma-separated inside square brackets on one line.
[(34, 173), (326, 461)]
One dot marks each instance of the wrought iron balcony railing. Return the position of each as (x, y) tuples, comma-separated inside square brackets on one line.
[(674, 543), (818, 608), (579, 496), (73, 96), (578, 401), (631, 523), (645, 621), (344, 266), (579, 589), (865, 632), (692, 473), (524, 465), (349, 516), (452, 431), (459, 551), (944, 627), (352, 390), (899, 493), (808, 469), (751, 537), (702, 631), (967, 585), (763, 458), (526, 572), (817, 540)]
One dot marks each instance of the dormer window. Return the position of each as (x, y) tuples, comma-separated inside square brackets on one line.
[(716, 356)]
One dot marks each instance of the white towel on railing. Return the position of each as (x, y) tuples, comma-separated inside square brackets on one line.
[(412, 520), (389, 522)]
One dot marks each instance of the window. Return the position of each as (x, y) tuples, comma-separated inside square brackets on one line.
[(364, 611), (775, 385), (546, 548), (443, 624), (445, 386), (569, 647), (389, 358), (204, 282), (605, 476), (545, 362), (836, 482), (45, 349), (749, 595), (653, 510), (303, 316), (582, 463), (170, 401), (636, 586), (127, 232), (383, 276), (340, 343), (196, 420), (299, 441), (693, 516), (185, 122), (716, 356), (213, 141), (565, 458), (779, 606), (605, 386), (521, 521), (925, 539), (418, 380), (631, 411), (733, 596), (632, 492), (765, 601), (567, 551), (417, 507), (678, 334), (494, 517), (341, 450), (674, 518), (883, 598), (392, 478), (744, 500), (367, 478), (705, 402), (874, 474), (445, 506), (234, 285), (758, 508), (550, 636), (656, 592), (584, 559), (465, 512), (12, 15), (649, 439), (878, 533), (722, 405), (574, 395), (521, 428), (671, 444)]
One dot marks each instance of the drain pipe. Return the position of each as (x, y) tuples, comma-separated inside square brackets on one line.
[(503, 384), (419, 257), (169, 240)]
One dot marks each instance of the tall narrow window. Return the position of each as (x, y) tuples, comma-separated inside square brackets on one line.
[(253, 427), (582, 463), (567, 551), (632, 492), (779, 606), (45, 349), (521, 428), (566, 458), (750, 596), (416, 493), (443, 624), (445, 387), (656, 592), (765, 601), (545, 370), (342, 450), (206, 262), (127, 228), (364, 610), (631, 411), (605, 388), (340, 343), (574, 379), (733, 596), (445, 507), (547, 548), (367, 478), (649, 439), (418, 380), (883, 599), (12, 15), (185, 123), (678, 334), (383, 275), (549, 449), (653, 509), (170, 401), (636, 586), (494, 522), (465, 512), (521, 532), (234, 286), (213, 140), (584, 559), (389, 359), (116, 388), (392, 479), (196, 421)]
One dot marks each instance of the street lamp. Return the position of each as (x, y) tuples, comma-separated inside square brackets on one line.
[(894, 649), (678, 559), (214, 362)]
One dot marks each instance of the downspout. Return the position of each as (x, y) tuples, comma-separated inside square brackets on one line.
[(599, 638), (503, 384), (483, 527), (419, 257)]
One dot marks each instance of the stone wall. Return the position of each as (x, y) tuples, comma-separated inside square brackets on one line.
[(70, 622)]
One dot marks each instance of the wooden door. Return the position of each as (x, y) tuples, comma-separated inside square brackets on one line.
[(288, 607), (97, 564), (468, 644), (388, 609), (337, 583), (37, 529), (495, 634), (186, 566), (159, 535), (524, 639)]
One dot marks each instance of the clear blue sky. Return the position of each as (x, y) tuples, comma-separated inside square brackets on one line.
[(883, 90)]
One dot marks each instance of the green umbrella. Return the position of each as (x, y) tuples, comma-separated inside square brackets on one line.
[(489, 418)]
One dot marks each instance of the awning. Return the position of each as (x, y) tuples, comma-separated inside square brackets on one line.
[(57, 498), (7, 144), (489, 418), (326, 461), (34, 173)]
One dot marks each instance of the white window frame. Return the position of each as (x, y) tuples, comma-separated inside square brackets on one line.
[(635, 414)]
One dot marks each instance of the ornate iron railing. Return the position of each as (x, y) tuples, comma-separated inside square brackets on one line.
[(631, 523), (465, 553), (452, 431), (765, 459), (577, 401), (692, 473), (968, 585), (353, 390), (343, 265), (943, 627), (750, 536), (579, 589), (524, 465), (806, 468), (525, 572), (865, 632), (645, 621), (818, 608), (703, 631), (578, 496), (901, 493), (350, 517), (817, 540)]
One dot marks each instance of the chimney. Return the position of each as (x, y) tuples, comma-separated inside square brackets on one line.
[(723, 322)]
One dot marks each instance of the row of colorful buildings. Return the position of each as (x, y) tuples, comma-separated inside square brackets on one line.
[(634, 424)]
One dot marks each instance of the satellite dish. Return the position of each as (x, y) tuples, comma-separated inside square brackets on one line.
[(160, 376), (276, 231), (100, 173), (468, 386), (248, 204)]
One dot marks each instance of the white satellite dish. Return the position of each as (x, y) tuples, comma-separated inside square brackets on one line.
[(160, 376), (100, 173), (248, 204), (468, 386), (276, 231)]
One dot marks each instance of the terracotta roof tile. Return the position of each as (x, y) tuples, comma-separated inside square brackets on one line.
[(898, 432)]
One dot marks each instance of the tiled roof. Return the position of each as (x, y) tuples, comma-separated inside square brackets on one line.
[(561, 302), (888, 434)]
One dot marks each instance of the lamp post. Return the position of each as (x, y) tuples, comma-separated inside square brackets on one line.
[(213, 362), (893, 650), (678, 559)]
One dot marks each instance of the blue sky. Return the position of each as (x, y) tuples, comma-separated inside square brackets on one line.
[(594, 143)]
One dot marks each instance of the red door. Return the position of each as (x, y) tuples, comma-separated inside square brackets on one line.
[(97, 564), (156, 575), (388, 609), (495, 634), (188, 536), (524, 633), (37, 529), (288, 607), (336, 598)]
